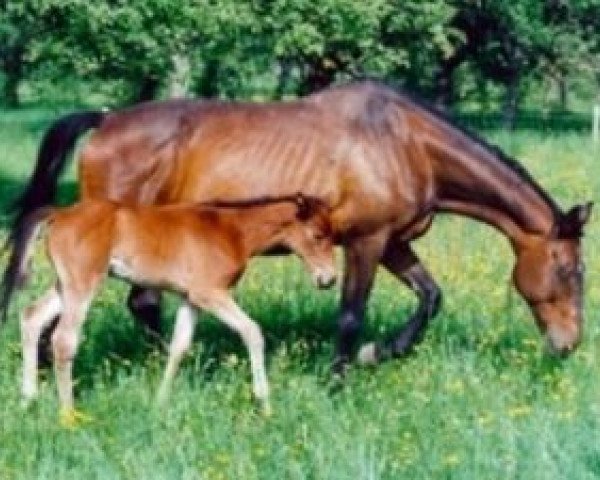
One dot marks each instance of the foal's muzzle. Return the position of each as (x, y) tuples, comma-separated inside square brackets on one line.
[(325, 279)]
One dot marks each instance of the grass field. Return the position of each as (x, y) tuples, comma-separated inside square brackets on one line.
[(477, 400)]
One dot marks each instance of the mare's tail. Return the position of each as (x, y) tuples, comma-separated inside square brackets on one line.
[(56, 145), (54, 150), (18, 262)]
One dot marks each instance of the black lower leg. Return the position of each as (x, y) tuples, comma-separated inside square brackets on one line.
[(144, 304), (349, 325), (430, 297), (362, 258)]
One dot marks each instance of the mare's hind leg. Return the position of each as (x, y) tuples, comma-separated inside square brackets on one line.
[(361, 259), (401, 261), (180, 344), (144, 304), (34, 321), (222, 306)]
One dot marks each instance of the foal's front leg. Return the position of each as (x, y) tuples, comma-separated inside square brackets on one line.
[(35, 319), (222, 305)]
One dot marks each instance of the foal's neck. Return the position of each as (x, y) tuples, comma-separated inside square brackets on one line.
[(259, 227), (477, 180)]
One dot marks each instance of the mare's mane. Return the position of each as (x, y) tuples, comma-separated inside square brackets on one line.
[(382, 94)]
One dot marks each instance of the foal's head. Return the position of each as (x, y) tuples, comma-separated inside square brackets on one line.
[(549, 274), (310, 236)]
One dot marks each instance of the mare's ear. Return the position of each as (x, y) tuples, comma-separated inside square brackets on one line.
[(574, 220)]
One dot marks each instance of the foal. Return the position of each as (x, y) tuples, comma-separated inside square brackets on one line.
[(197, 250)]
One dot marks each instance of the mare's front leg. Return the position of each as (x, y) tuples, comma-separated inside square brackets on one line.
[(144, 304), (220, 304), (403, 263), (34, 322), (362, 256), (180, 344)]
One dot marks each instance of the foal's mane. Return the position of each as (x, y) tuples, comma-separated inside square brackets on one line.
[(296, 199)]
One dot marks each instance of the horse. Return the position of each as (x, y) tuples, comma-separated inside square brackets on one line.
[(383, 161), (196, 250)]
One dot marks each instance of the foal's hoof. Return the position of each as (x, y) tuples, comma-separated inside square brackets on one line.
[(266, 410), (367, 355), (71, 418), (27, 402)]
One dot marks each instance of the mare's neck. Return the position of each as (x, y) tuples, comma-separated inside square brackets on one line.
[(475, 180)]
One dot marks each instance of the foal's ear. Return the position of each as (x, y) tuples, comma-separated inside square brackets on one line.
[(574, 220), (306, 206)]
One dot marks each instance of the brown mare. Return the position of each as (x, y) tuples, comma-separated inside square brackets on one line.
[(385, 165), (197, 250)]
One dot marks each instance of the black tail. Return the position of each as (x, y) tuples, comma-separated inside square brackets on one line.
[(16, 269), (56, 145), (52, 156)]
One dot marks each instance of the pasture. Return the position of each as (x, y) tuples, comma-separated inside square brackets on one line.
[(477, 399)]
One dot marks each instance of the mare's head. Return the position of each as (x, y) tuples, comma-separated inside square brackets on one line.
[(549, 275), (310, 236)]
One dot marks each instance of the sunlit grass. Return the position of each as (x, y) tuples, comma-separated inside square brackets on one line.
[(478, 399)]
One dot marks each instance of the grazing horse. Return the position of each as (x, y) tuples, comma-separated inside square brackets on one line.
[(383, 162), (197, 250)]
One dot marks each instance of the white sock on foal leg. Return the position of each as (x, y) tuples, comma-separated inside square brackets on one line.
[(180, 344), (233, 316), (35, 318)]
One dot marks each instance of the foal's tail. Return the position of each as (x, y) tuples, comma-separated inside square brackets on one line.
[(18, 263)]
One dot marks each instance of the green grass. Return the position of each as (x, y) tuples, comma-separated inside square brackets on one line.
[(477, 400)]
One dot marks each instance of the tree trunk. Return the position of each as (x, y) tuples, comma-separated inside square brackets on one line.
[(11, 90), (208, 86), (147, 90), (511, 103), (13, 71), (284, 77), (563, 93), (444, 84), (179, 79)]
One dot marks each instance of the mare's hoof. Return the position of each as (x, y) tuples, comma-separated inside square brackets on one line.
[(368, 355)]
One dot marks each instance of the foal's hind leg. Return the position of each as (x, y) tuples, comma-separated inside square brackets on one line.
[(222, 305), (65, 340), (180, 344), (35, 319)]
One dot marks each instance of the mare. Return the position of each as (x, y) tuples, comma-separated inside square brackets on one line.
[(203, 254), (383, 162)]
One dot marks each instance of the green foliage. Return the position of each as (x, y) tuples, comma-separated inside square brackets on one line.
[(273, 48)]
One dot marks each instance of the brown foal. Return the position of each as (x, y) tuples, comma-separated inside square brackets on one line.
[(197, 250)]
